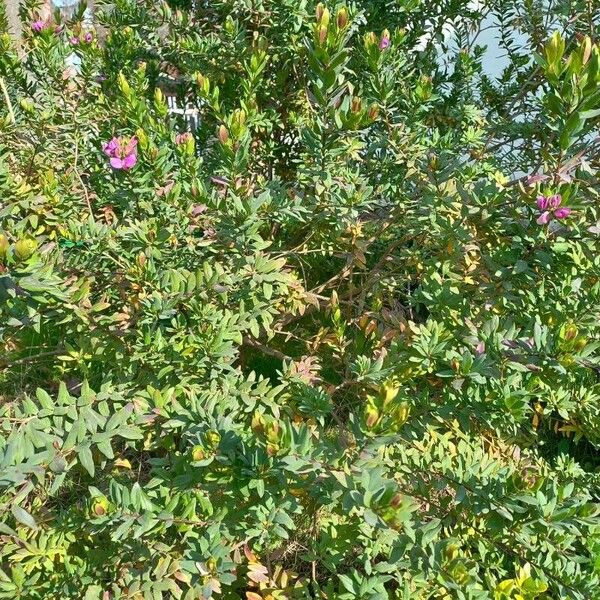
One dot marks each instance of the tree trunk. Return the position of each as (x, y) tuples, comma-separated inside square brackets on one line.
[(12, 15)]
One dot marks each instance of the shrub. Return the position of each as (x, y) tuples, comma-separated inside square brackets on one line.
[(339, 339)]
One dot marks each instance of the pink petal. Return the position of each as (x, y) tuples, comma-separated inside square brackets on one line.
[(542, 202), (129, 161), (129, 148), (562, 213), (116, 162), (110, 148), (543, 219), (554, 201)]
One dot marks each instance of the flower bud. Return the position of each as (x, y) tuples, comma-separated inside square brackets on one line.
[(27, 105), (342, 18), (400, 415), (371, 415), (223, 134), (570, 332), (198, 453), (388, 392), (586, 49), (325, 18), (99, 506), (322, 33), (373, 112), (319, 12), (3, 246), (213, 438), (450, 552), (272, 431), (24, 249), (384, 42), (258, 423), (370, 40), (396, 500), (123, 84), (142, 138), (211, 564)]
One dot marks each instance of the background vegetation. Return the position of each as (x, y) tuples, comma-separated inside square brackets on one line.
[(340, 340)]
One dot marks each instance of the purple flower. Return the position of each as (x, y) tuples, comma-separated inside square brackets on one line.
[(384, 42), (122, 152), (74, 40), (39, 26), (549, 205), (88, 37)]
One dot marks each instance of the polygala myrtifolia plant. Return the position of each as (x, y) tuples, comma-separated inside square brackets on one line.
[(338, 339)]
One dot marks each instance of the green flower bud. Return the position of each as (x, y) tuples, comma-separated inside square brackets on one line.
[(213, 438), (27, 105), (370, 40), (198, 453), (372, 415), (123, 84), (388, 391), (24, 249), (99, 506), (3, 246)]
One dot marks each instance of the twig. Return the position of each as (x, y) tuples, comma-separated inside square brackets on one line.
[(11, 113)]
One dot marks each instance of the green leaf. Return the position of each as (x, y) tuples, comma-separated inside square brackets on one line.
[(85, 458), (23, 517)]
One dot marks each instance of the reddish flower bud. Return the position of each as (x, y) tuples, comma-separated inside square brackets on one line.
[(342, 18), (319, 12), (322, 34), (223, 134)]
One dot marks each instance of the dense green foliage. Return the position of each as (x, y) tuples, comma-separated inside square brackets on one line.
[(340, 341)]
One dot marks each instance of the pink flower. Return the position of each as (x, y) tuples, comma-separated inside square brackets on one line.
[(39, 26), (549, 205), (88, 37), (74, 40), (384, 42), (122, 152)]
